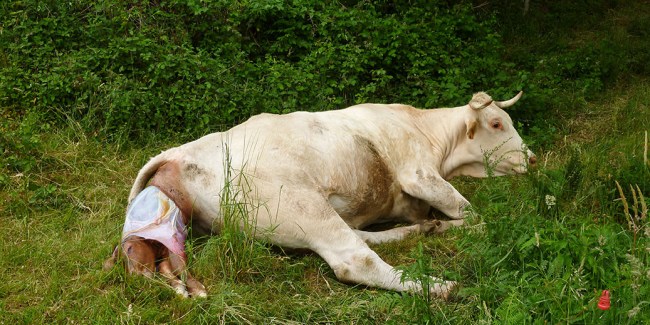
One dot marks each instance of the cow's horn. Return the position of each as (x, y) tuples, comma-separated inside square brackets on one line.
[(480, 100), (510, 102)]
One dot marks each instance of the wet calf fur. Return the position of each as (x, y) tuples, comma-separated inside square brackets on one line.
[(146, 256)]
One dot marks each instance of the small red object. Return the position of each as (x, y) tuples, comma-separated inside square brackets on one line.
[(603, 302)]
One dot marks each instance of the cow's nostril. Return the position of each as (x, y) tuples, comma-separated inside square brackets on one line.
[(532, 160)]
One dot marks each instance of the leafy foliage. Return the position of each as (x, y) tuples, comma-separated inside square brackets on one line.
[(185, 67)]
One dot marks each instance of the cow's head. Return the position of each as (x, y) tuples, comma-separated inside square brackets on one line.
[(491, 141)]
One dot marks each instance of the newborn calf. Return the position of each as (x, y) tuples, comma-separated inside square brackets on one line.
[(153, 239)]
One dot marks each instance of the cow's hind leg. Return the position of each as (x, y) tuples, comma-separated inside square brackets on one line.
[(301, 218), (354, 262)]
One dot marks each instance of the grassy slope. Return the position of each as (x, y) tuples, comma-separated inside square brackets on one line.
[(52, 251), (519, 261)]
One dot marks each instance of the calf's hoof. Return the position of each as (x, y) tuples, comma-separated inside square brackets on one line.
[(196, 289), (181, 292)]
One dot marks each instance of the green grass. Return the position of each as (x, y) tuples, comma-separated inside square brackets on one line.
[(519, 260), (539, 249)]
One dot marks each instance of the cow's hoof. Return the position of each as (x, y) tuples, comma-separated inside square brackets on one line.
[(439, 226), (430, 227), (446, 224)]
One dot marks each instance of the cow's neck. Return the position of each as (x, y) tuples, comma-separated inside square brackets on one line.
[(445, 128)]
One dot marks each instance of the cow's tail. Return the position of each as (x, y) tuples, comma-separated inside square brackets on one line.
[(148, 170)]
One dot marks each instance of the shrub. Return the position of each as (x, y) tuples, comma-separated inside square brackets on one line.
[(186, 67)]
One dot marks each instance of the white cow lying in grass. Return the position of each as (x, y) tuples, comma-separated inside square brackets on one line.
[(316, 180)]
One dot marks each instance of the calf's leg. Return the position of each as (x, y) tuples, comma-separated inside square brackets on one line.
[(170, 272), (176, 271)]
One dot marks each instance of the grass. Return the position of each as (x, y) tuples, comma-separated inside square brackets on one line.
[(521, 259), (540, 247)]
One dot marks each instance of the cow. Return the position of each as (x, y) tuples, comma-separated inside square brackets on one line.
[(316, 180)]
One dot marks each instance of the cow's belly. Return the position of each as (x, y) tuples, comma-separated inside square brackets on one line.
[(364, 192), (364, 210), (355, 181)]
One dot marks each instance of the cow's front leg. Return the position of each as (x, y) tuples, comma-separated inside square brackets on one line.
[(399, 233), (436, 191)]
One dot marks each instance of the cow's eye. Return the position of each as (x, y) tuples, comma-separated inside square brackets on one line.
[(496, 125)]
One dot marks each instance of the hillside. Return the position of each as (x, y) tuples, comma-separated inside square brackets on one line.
[(88, 92)]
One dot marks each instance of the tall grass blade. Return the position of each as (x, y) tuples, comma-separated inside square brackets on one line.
[(626, 208), (644, 207), (645, 149)]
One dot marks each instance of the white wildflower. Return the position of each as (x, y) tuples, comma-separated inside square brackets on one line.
[(550, 201), (599, 250), (536, 239), (636, 266), (129, 312), (602, 240), (632, 312)]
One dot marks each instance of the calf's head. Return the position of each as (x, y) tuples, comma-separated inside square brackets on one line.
[(492, 144), (140, 255)]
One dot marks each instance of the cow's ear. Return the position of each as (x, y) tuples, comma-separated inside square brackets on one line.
[(471, 127)]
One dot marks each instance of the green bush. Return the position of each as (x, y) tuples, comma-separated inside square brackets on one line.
[(184, 68), (187, 67)]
